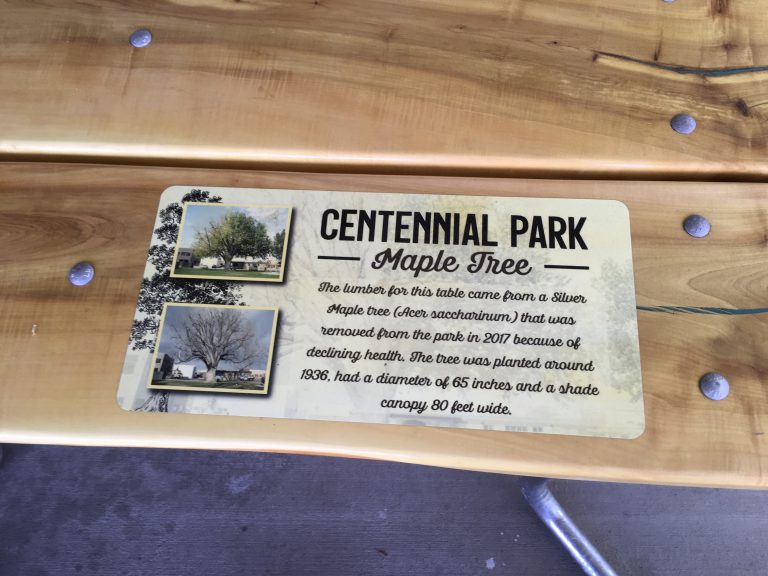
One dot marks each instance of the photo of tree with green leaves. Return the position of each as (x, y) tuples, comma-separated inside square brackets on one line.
[(232, 242)]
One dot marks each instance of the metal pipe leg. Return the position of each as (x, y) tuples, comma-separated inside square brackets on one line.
[(547, 507)]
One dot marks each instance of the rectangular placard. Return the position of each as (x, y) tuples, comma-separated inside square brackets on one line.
[(495, 313)]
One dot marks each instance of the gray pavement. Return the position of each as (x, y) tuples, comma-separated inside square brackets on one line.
[(81, 511)]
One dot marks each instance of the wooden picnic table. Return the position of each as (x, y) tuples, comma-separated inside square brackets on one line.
[(551, 99)]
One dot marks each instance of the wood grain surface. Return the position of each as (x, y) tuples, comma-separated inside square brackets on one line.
[(58, 384), (552, 88)]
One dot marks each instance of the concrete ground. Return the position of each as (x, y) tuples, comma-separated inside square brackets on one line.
[(81, 511)]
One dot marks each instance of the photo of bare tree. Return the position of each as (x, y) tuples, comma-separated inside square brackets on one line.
[(214, 348)]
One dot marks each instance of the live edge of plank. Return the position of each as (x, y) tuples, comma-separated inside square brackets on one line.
[(59, 385)]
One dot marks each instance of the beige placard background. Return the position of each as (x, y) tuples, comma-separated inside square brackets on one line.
[(606, 323)]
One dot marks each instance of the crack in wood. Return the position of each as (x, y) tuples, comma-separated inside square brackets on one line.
[(706, 72), (703, 310)]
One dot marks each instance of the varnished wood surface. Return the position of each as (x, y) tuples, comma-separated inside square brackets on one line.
[(59, 384), (553, 88)]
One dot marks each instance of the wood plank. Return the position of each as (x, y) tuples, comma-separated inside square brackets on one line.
[(59, 385), (553, 88)]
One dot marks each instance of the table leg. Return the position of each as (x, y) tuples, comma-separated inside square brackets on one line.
[(548, 509)]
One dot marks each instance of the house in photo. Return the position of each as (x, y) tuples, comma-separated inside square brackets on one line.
[(244, 375), (258, 375), (266, 264), (211, 262), (163, 367), (185, 371), (186, 258), (229, 375)]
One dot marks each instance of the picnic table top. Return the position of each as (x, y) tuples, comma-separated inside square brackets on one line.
[(700, 310)]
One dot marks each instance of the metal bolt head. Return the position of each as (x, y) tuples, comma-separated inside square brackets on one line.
[(81, 273), (697, 226), (683, 123), (141, 38), (714, 386)]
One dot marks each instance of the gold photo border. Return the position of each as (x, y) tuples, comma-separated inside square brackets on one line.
[(283, 261), (267, 370)]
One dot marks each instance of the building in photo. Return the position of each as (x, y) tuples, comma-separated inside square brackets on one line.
[(186, 258), (267, 264), (163, 367), (185, 371), (258, 375)]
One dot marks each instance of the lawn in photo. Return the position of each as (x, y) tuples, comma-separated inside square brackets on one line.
[(214, 348), (232, 242)]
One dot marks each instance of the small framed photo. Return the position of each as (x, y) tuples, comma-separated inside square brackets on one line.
[(214, 348), (239, 242)]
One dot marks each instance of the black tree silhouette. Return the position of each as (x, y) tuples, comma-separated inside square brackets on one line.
[(161, 288)]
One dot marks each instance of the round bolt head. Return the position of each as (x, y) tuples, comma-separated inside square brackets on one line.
[(81, 273), (697, 226), (683, 123), (141, 38), (714, 386)]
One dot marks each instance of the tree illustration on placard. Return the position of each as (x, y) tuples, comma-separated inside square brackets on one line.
[(161, 288)]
